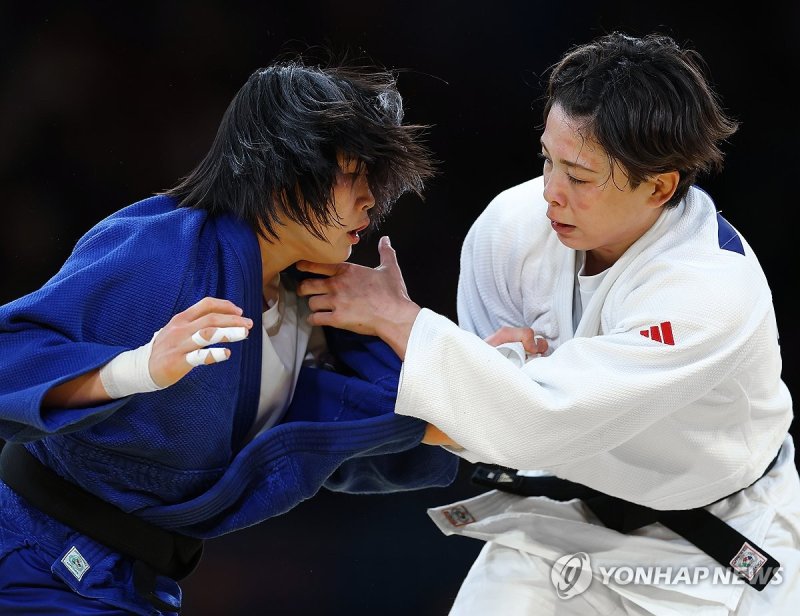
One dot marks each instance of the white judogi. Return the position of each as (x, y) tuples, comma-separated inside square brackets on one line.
[(680, 417)]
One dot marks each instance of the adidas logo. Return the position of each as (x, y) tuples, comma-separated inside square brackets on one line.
[(660, 333)]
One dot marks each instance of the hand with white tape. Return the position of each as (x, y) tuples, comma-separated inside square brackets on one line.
[(177, 348)]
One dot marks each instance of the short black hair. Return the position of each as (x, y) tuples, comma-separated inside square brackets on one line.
[(647, 102), (276, 148)]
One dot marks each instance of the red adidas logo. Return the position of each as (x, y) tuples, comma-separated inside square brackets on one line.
[(660, 333)]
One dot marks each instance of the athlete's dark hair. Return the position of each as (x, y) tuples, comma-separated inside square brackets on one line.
[(277, 144), (647, 102)]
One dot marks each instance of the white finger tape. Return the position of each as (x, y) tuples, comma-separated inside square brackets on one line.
[(230, 334), (198, 357), (514, 352)]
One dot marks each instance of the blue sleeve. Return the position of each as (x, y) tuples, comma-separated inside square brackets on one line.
[(115, 290), (367, 388), (423, 466)]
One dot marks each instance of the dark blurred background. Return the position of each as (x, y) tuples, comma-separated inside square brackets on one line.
[(104, 103)]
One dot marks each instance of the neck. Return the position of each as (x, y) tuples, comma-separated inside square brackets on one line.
[(594, 263), (274, 259), (271, 291)]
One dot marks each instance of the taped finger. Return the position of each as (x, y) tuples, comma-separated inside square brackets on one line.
[(514, 352), (198, 357), (230, 334)]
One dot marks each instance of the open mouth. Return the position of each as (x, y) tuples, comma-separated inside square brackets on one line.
[(355, 233), (560, 226)]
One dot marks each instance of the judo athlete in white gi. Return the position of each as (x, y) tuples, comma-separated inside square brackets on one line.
[(659, 386)]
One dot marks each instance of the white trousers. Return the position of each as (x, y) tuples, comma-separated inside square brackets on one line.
[(512, 575), (511, 582)]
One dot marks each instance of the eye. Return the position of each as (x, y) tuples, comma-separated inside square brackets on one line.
[(572, 180), (344, 178)]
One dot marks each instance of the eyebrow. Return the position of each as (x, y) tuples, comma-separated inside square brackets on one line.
[(568, 163)]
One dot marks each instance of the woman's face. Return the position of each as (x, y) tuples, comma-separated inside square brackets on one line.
[(351, 200), (591, 206)]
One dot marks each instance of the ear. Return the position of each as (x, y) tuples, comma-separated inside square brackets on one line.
[(664, 185)]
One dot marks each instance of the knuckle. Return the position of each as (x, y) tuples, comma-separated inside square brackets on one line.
[(176, 324)]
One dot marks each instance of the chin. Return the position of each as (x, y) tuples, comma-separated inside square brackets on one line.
[(335, 257), (571, 243), (346, 252)]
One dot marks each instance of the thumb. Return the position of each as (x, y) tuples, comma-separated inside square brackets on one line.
[(387, 253)]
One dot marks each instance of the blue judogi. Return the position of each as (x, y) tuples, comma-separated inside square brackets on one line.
[(178, 457)]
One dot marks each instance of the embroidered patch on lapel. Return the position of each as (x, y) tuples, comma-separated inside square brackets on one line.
[(458, 515), (748, 561), (75, 562), (659, 333)]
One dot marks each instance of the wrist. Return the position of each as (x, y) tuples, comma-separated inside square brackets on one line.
[(129, 373), (396, 328)]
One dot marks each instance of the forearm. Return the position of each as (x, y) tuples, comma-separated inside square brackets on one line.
[(125, 374), (82, 391), (434, 436)]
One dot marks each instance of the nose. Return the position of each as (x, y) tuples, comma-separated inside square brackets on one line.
[(366, 198), (553, 192)]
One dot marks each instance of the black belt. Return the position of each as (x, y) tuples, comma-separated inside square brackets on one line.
[(698, 526), (161, 551)]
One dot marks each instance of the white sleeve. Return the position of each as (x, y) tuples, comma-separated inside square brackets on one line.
[(663, 427), (666, 425)]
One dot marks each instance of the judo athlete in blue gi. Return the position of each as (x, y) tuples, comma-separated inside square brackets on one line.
[(165, 386)]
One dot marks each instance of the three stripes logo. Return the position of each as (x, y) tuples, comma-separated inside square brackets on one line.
[(660, 333)]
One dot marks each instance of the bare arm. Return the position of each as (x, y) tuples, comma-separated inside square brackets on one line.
[(84, 390)]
